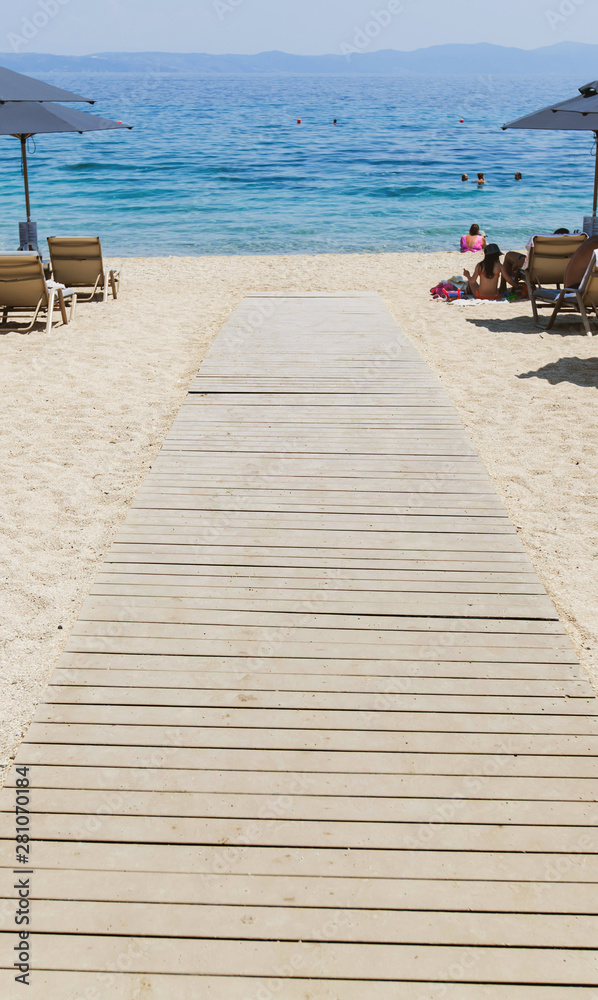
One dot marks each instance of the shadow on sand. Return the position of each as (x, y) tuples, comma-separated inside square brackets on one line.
[(526, 325), (578, 371), (510, 324)]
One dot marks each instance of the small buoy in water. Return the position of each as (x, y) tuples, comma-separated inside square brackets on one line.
[(298, 121), (461, 121)]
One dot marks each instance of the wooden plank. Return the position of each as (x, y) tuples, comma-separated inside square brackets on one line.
[(276, 832), (532, 668), (366, 398), (91, 684), (207, 706), (225, 635), (229, 559), (313, 783), (86, 687), (365, 894), (506, 762), (340, 961), (248, 588), (329, 466), (269, 503), (215, 861), (194, 609), (129, 986), (298, 809), (258, 649), (326, 578), (416, 741), (315, 540), (336, 522), (283, 923), (443, 719), (346, 434), (222, 503), (312, 626), (408, 500), (426, 482)]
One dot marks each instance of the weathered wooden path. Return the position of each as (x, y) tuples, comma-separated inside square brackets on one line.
[(318, 733)]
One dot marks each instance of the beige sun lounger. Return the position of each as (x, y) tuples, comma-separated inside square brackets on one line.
[(547, 263), (77, 262), (583, 299), (23, 288)]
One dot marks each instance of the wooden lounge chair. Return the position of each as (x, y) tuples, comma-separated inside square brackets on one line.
[(582, 299), (23, 288), (77, 262), (547, 263)]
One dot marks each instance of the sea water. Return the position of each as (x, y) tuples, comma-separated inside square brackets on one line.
[(220, 165)]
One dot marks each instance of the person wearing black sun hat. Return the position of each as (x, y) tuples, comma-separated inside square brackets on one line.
[(483, 283)]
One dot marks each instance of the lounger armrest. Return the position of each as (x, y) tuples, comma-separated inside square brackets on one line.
[(547, 294)]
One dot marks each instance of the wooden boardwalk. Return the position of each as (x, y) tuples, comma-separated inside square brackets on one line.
[(318, 733)]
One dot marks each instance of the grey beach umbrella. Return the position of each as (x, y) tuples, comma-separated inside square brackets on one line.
[(16, 87), (580, 114), (27, 118)]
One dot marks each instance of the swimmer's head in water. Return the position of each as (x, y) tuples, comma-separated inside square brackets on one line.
[(481, 177), (464, 177), (518, 176)]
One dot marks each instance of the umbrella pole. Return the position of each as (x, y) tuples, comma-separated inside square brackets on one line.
[(596, 180), (26, 175)]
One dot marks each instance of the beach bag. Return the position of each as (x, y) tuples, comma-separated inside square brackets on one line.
[(446, 290)]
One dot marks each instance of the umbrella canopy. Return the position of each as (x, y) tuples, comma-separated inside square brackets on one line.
[(24, 119), (16, 87), (580, 114), (29, 118), (587, 103)]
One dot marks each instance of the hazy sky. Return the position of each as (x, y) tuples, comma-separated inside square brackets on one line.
[(302, 26)]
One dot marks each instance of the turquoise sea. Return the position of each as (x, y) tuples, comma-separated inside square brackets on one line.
[(219, 165)]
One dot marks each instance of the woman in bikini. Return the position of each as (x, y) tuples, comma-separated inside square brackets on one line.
[(473, 242), (483, 283)]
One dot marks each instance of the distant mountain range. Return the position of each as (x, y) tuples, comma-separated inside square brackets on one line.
[(566, 58)]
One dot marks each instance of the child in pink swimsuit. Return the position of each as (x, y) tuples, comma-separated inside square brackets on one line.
[(474, 242)]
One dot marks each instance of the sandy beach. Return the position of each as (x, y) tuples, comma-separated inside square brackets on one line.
[(85, 410)]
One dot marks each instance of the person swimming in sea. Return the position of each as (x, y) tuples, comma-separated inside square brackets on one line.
[(474, 241), (483, 283), (481, 180)]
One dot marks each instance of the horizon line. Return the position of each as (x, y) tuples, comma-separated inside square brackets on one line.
[(301, 55)]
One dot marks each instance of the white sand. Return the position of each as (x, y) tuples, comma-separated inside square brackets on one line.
[(85, 409)]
